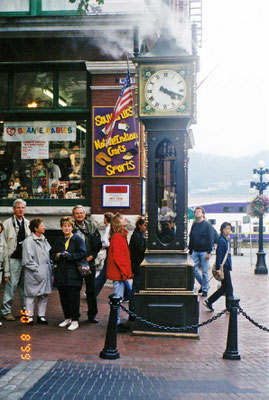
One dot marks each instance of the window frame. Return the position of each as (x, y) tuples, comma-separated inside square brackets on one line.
[(51, 114), (35, 9)]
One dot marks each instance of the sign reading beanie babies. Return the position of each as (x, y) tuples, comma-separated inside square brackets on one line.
[(39, 131), (121, 157)]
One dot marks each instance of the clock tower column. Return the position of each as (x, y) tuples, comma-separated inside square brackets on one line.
[(166, 104)]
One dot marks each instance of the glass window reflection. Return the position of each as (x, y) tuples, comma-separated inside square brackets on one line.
[(14, 5), (165, 196), (72, 89), (33, 89), (61, 175)]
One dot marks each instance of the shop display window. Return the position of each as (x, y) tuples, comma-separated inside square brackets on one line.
[(43, 170), (33, 89), (3, 90), (72, 89)]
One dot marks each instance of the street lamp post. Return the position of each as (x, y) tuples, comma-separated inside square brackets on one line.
[(260, 181)]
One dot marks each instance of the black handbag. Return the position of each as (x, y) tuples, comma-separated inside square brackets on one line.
[(83, 267)]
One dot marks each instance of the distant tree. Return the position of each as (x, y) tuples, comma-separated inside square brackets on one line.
[(83, 5)]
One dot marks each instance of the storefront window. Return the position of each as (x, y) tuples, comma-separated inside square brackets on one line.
[(14, 5), (72, 89), (3, 90), (33, 89), (52, 168), (165, 196)]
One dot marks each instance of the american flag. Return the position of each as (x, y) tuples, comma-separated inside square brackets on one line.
[(125, 99)]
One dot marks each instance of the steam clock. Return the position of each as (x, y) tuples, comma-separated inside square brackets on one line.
[(166, 104)]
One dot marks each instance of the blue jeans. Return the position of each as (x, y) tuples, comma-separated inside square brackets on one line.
[(119, 291), (15, 280), (199, 259), (101, 280)]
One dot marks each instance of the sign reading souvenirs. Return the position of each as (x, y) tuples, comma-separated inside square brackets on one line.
[(121, 157), (39, 131), (116, 196)]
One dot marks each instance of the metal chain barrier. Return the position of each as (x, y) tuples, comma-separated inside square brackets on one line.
[(169, 328), (252, 320)]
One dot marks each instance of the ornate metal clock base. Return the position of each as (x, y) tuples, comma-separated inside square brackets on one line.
[(166, 298)]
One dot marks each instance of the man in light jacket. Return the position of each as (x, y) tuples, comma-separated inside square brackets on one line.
[(91, 236), (16, 230)]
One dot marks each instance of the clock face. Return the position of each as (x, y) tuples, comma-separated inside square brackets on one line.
[(165, 90)]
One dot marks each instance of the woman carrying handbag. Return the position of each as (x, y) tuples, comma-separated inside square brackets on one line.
[(222, 256)]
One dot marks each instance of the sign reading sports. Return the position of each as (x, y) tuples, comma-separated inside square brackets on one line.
[(121, 157)]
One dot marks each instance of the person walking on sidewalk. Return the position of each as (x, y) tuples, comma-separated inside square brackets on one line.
[(118, 260), (37, 270), (200, 246), (92, 238), (101, 278), (223, 254), (16, 229), (4, 264), (66, 251), (137, 248)]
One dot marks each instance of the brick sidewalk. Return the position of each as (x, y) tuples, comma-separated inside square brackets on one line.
[(166, 368)]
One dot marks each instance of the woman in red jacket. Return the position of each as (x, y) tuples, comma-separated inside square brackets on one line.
[(118, 261)]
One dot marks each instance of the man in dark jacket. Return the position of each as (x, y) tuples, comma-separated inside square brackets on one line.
[(200, 247), (90, 234)]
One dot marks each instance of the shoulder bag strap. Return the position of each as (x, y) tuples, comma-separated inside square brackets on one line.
[(226, 255)]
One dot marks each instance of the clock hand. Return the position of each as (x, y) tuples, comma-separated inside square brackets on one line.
[(170, 93)]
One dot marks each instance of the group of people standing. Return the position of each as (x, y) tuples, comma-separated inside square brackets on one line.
[(27, 261)]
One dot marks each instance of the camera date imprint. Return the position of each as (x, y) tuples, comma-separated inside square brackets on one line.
[(25, 337)]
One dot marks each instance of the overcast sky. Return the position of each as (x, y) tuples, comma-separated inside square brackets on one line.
[(233, 102)]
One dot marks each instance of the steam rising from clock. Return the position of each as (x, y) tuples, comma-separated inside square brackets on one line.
[(151, 19)]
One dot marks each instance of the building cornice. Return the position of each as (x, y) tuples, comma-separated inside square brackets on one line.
[(109, 67)]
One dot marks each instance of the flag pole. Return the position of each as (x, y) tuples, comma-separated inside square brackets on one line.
[(137, 142)]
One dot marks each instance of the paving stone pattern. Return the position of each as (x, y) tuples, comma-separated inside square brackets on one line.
[(94, 381)]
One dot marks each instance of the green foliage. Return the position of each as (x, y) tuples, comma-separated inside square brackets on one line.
[(83, 5)]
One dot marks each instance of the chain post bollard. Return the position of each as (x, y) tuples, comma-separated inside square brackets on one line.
[(110, 351), (231, 352)]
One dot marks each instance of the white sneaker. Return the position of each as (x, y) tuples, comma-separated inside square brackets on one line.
[(73, 326), (1, 323), (65, 323)]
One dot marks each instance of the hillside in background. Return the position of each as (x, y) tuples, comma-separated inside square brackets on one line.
[(211, 175)]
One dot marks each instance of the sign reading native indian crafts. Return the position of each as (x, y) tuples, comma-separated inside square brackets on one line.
[(39, 131), (121, 157)]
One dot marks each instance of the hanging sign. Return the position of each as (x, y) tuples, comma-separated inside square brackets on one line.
[(34, 150), (39, 131), (116, 196), (121, 157)]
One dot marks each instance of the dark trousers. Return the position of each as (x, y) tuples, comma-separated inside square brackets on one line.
[(70, 301), (90, 294), (101, 279), (135, 289), (226, 288)]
